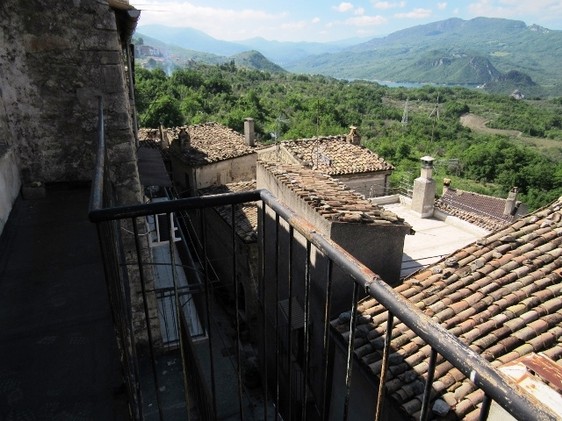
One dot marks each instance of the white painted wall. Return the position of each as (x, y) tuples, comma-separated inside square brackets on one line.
[(10, 184)]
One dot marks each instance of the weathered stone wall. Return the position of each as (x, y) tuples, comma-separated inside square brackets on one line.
[(55, 59)]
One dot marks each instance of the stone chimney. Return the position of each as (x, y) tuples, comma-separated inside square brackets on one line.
[(353, 137), (249, 134), (423, 198), (184, 139), (510, 203), (446, 185)]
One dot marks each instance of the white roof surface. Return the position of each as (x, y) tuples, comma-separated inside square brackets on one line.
[(434, 238)]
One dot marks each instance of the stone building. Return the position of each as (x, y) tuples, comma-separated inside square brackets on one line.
[(215, 155), (373, 236), (56, 60), (340, 157), (220, 225)]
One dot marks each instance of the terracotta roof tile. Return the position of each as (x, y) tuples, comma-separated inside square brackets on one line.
[(334, 155), (246, 215), (211, 142), (478, 209), (330, 198), (503, 299)]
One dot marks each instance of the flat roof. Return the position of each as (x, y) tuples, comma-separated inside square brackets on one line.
[(433, 238)]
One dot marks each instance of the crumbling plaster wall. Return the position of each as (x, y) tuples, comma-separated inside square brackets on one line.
[(55, 59)]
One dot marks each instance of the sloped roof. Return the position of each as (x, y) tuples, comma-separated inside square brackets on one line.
[(330, 198), (481, 210), (334, 155), (245, 215), (501, 295), (212, 142)]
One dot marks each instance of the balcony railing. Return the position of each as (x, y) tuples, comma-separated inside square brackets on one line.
[(292, 338)]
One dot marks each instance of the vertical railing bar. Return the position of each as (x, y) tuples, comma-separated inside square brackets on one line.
[(428, 384), (306, 327), (326, 338), (264, 313), (203, 224), (122, 275), (147, 318), (277, 353), (237, 310), (485, 408), (119, 324), (178, 312), (350, 346), (384, 366), (290, 327)]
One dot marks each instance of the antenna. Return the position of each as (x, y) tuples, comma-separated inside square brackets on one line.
[(317, 117), (435, 112), (405, 114), (279, 120)]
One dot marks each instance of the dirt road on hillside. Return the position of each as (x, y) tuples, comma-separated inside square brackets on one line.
[(478, 124)]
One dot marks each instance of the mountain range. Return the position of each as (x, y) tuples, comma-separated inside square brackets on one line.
[(499, 54)]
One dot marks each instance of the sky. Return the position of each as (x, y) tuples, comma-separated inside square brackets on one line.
[(327, 21)]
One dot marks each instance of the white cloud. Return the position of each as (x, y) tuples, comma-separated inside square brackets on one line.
[(221, 23), (539, 10), (315, 20), (385, 5), (366, 20), (442, 6), (359, 11), (415, 14), (301, 24), (343, 7)]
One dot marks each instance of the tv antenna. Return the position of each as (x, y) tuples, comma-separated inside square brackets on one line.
[(405, 114)]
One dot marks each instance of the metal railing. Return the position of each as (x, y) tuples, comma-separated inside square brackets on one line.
[(294, 370)]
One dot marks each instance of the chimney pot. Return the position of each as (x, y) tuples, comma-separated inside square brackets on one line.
[(353, 137), (427, 167), (510, 203), (249, 134), (446, 185)]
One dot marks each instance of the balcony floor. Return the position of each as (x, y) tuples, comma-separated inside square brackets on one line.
[(58, 358)]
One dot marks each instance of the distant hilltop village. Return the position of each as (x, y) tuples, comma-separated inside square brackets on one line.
[(142, 51)]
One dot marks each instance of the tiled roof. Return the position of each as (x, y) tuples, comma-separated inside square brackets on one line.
[(245, 215), (330, 198), (334, 155), (478, 209), (501, 295), (212, 142), (149, 134)]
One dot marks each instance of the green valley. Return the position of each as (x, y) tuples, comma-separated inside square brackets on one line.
[(291, 106)]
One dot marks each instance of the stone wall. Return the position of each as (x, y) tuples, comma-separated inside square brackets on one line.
[(55, 59)]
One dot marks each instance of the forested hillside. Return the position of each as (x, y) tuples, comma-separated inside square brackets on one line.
[(399, 124)]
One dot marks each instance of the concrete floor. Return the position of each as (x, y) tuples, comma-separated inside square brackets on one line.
[(58, 357)]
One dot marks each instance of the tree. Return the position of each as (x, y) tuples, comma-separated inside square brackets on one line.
[(165, 110)]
